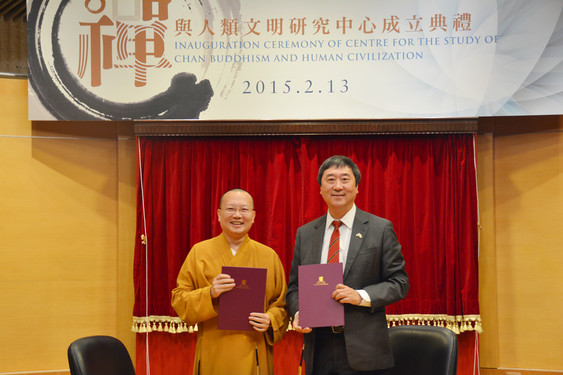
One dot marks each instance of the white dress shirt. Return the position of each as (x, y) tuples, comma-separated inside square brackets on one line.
[(345, 234)]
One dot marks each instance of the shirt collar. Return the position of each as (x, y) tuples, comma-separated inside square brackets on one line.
[(347, 219)]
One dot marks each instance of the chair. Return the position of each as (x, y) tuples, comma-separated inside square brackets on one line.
[(99, 355), (423, 350)]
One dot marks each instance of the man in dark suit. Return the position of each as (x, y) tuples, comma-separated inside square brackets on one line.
[(374, 277)]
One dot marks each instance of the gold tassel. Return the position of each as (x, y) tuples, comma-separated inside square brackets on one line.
[(457, 324)]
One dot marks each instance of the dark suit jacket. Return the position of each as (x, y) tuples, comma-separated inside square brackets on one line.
[(375, 264)]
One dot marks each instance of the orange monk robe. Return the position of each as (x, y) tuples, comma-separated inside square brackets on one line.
[(220, 352)]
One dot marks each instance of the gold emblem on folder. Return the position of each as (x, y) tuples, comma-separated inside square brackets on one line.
[(243, 285), (320, 281)]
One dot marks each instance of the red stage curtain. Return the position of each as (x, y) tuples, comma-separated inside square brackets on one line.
[(425, 185)]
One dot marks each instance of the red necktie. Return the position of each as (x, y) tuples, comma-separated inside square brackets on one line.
[(334, 246)]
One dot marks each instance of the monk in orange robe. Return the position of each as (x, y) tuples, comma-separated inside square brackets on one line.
[(200, 283)]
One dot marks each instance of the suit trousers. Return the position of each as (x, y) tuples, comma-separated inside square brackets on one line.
[(330, 357)]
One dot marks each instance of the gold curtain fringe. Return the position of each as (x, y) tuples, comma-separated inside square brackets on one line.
[(155, 323), (457, 324)]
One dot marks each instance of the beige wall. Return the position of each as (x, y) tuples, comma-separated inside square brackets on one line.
[(67, 225), (521, 259), (67, 219)]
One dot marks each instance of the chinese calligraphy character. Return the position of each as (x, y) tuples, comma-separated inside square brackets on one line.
[(275, 26), (138, 46), (252, 24), (297, 26), (207, 28), (462, 22), (390, 25), (183, 26), (367, 27), (229, 27), (343, 24), (414, 23), (321, 25), (438, 21)]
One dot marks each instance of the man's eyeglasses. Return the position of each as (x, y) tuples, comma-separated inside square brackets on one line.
[(243, 211)]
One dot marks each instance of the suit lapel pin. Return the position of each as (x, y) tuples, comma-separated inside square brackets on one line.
[(359, 235)]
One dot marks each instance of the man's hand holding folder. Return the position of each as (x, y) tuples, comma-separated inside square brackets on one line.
[(242, 307), (317, 307)]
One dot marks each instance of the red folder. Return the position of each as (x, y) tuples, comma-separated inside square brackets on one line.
[(316, 306), (247, 296)]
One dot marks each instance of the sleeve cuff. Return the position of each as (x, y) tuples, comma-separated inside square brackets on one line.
[(366, 301)]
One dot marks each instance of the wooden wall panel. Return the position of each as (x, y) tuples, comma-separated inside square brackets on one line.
[(61, 273), (487, 252), (126, 227), (529, 243), (58, 219)]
